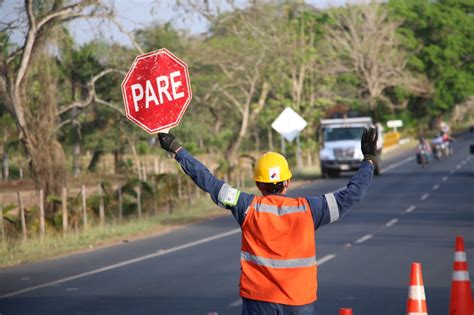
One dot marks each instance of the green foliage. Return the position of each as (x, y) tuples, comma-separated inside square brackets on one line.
[(8, 215), (441, 37)]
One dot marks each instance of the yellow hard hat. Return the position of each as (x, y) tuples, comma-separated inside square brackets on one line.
[(271, 168)]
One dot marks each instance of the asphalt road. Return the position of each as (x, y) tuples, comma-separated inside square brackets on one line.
[(409, 214)]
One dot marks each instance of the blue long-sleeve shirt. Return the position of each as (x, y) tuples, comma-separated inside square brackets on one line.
[(324, 209)]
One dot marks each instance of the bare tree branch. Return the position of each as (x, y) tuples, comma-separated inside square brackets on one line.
[(91, 95), (366, 44), (129, 35), (67, 11)]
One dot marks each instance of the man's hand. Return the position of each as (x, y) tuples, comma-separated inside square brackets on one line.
[(369, 144), (168, 142)]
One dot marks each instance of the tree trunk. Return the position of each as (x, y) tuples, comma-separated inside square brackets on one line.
[(76, 159), (257, 140), (5, 166), (270, 139), (95, 160), (231, 152), (47, 164), (117, 161), (247, 119)]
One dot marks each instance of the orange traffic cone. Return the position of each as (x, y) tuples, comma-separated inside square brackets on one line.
[(461, 295), (416, 304), (345, 311)]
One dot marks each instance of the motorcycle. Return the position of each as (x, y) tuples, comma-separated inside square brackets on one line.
[(447, 148), (422, 156), (439, 148)]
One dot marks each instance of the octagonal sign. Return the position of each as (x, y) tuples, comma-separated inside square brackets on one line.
[(156, 91)]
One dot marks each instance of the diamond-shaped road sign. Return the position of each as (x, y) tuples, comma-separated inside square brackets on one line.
[(156, 91), (289, 124)]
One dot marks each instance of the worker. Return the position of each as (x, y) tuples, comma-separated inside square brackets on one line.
[(278, 250)]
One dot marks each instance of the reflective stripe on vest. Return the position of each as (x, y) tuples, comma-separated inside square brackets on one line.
[(279, 210), (278, 255), (333, 208), (279, 263)]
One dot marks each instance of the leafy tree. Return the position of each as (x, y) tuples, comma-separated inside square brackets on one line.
[(440, 35), (364, 46), (29, 81)]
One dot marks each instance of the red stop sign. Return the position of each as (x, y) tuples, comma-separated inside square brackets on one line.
[(156, 90)]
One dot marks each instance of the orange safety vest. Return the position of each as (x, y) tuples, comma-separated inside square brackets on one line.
[(278, 256)]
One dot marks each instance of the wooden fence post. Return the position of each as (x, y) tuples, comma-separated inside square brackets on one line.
[(1, 225), (120, 204), (41, 208), (139, 201), (188, 190), (162, 167), (155, 206), (145, 172), (156, 166), (180, 187), (101, 205), (84, 206), (196, 191), (22, 216), (64, 202), (170, 197)]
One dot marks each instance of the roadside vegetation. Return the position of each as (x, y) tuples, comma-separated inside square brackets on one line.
[(55, 243), (62, 122)]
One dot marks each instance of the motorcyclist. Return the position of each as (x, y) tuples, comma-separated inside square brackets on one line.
[(437, 145), (423, 151)]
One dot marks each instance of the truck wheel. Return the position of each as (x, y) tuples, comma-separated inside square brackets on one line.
[(333, 173), (324, 172)]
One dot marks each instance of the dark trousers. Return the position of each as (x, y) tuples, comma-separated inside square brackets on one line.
[(253, 307)]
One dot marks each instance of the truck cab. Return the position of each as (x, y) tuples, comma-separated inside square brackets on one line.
[(340, 145)]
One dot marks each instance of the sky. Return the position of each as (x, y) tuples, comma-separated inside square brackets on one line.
[(135, 14)]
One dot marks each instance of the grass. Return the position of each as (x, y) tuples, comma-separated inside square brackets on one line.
[(56, 244)]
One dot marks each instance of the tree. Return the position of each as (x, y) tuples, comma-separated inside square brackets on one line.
[(363, 40), (439, 34), (28, 81)]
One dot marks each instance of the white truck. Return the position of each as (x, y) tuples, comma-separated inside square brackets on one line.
[(340, 145)]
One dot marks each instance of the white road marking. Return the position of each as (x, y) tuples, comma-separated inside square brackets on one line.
[(325, 259), (458, 167), (390, 167), (364, 238), (452, 172), (123, 263), (236, 303), (391, 222), (25, 278), (435, 187), (425, 196), (445, 178), (410, 209)]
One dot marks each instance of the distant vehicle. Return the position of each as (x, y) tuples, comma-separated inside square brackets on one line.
[(423, 152), (442, 146), (340, 145)]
